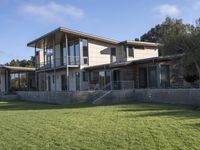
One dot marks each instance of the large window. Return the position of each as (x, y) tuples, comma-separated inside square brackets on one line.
[(113, 54), (85, 51), (74, 53), (18, 81), (63, 54), (165, 79), (49, 57), (63, 82)]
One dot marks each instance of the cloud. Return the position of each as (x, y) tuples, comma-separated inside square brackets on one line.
[(168, 10), (52, 12)]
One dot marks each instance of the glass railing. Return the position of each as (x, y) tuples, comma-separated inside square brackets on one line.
[(59, 62)]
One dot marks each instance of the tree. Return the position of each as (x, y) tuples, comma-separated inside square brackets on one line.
[(187, 43), (169, 27), (22, 63)]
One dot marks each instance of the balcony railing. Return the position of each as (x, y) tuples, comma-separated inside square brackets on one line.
[(59, 62)]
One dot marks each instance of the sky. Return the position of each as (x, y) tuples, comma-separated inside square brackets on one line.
[(22, 21)]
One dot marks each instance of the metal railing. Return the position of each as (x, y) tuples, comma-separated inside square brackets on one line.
[(114, 85)]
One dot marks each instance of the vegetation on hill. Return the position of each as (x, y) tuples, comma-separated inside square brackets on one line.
[(22, 63), (179, 38)]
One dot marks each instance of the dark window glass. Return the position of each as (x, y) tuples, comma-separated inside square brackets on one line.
[(152, 76), (85, 47), (63, 82), (85, 76), (113, 54), (165, 79), (130, 52)]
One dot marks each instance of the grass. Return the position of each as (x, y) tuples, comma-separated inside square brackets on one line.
[(126, 126)]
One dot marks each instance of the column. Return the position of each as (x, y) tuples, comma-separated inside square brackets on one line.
[(67, 62)]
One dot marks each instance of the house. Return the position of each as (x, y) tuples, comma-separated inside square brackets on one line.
[(68, 60), (16, 79)]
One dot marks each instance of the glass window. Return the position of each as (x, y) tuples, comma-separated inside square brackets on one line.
[(113, 54), (152, 76), (77, 52), (63, 82), (63, 54), (130, 51), (85, 47), (71, 53), (165, 79), (85, 76)]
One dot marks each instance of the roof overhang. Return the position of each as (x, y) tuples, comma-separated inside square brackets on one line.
[(139, 43), (136, 62), (17, 69), (62, 31)]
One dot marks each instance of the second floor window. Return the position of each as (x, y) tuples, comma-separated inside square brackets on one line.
[(130, 51), (85, 51), (113, 54)]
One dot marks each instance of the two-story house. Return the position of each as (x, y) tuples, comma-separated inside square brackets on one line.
[(72, 60)]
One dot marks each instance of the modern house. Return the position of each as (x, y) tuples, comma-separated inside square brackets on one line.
[(16, 79), (68, 60)]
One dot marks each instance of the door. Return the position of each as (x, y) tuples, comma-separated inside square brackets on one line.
[(143, 77), (152, 74), (49, 83), (116, 79)]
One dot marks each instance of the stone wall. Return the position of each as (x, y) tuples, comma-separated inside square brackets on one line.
[(56, 97)]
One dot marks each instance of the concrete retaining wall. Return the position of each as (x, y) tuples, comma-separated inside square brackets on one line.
[(56, 97), (9, 98), (168, 96)]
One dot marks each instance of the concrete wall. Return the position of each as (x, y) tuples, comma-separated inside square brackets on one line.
[(168, 96), (56, 97), (99, 52), (143, 53), (165, 96), (9, 98)]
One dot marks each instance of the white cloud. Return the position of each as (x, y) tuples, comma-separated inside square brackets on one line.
[(52, 12), (168, 10)]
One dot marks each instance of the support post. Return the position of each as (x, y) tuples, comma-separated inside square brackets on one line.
[(44, 55), (54, 56), (36, 67), (67, 62)]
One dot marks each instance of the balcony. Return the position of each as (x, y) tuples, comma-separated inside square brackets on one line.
[(73, 61)]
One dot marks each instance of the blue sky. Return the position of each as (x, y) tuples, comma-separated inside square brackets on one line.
[(24, 20)]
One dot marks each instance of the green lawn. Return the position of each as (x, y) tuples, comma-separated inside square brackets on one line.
[(127, 126)]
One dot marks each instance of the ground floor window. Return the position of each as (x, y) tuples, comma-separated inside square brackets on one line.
[(165, 77), (63, 82)]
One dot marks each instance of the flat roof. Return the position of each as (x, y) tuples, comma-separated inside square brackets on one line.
[(16, 68), (139, 61)]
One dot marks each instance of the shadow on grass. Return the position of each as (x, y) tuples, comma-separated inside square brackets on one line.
[(9, 106), (164, 110), (18, 105)]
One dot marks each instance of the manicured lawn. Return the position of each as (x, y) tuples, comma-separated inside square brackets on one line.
[(126, 126)]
